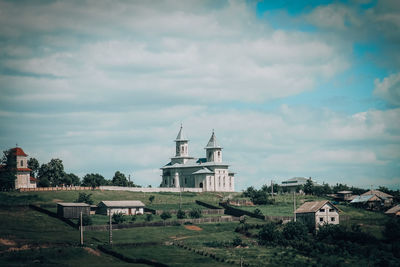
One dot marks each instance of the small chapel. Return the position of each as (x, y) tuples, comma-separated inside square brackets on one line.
[(209, 173)]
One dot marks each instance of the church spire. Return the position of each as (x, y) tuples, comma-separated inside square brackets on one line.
[(212, 143), (213, 150), (181, 136)]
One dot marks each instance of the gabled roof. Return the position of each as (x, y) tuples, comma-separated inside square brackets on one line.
[(123, 203), (212, 143), (378, 193), (314, 206), (71, 204), (203, 171), (393, 210), (181, 136), (17, 151)]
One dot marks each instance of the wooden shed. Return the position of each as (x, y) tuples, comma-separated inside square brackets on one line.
[(72, 210), (316, 213), (126, 207)]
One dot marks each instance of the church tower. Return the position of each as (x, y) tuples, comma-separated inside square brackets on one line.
[(213, 151), (181, 148)]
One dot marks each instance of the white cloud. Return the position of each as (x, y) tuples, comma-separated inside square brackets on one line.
[(389, 89)]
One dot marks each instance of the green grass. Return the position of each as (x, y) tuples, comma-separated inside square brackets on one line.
[(62, 256)]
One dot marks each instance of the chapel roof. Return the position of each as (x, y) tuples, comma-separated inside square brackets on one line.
[(17, 151), (181, 136), (212, 143)]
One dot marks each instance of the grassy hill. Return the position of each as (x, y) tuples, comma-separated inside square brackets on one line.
[(30, 238)]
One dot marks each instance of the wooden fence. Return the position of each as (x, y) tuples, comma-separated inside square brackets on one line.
[(165, 223), (61, 188)]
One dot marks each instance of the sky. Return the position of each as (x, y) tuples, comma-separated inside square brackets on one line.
[(291, 88)]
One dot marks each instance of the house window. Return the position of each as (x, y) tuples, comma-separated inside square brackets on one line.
[(321, 219), (332, 219), (331, 210), (322, 210)]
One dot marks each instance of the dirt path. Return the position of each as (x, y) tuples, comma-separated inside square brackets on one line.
[(93, 251), (193, 228)]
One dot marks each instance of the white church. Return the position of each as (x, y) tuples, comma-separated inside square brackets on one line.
[(208, 173)]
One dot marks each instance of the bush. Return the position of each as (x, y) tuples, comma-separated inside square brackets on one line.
[(118, 218), (294, 230), (258, 212), (133, 218), (86, 220), (165, 215), (149, 217), (268, 234), (151, 199), (237, 241), (392, 229), (181, 214), (195, 213), (85, 198)]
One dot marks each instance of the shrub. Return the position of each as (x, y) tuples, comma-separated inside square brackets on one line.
[(392, 229), (295, 230), (181, 214), (268, 234), (195, 213), (165, 215), (134, 217), (85, 198), (86, 220), (151, 199), (118, 218), (149, 217), (258, 212), (237, 241)]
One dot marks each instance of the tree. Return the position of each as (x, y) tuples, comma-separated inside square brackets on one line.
[(149, 217), (258, 212), (268, 234), (8, 171), (165, 215), (71, 179), (118, 218), (85, 198), (33, 164), (119, 179), (181, 214), (94, 180), (294, 230), (53, 172), (151, 199), (309, 187), (195, 213)]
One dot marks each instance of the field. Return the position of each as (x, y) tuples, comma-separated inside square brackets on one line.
[(30, 238)]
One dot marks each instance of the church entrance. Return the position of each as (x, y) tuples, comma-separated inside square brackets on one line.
[(201, 185)]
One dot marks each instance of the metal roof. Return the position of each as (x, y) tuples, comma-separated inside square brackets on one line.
[(191, 163), (212, 143), (314, 206), (181, 136), (393, 210), (361, 199), (203, 171), (123, 203), (71, 204)]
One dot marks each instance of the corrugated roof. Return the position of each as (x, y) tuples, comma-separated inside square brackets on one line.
[(378, 193), (345, 192), (393, 210), (123, 203), (71, 204), (313, 206), (203, 171), (361, 199), (194, 162)]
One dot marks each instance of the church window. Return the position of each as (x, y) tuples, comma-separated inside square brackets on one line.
[(165, 181), (22, 163), (173, 181), (185, 180), (219, 154), (209, 155)]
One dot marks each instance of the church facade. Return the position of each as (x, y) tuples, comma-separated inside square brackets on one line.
[(209, 173)]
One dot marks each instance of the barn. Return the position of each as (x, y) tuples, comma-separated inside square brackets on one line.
[(72, 210), (126, 207), (316, 213)]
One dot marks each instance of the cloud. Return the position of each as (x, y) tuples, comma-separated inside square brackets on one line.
[(389, 89)]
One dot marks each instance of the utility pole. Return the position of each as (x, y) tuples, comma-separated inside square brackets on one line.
[(180, 198), (81, 229), (272, 188), (129, 178), (294, 205), (110, 229)]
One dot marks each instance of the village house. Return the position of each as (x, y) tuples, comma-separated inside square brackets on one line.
[(295, 184), (394, 211), (72, 210), (126, 207), (209, 173), (317, 213), (24, 179), (373, 200), (344, 196)]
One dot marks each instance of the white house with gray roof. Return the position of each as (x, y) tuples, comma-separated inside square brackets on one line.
[(209, 173)]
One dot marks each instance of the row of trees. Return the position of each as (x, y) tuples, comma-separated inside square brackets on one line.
[(53, 174)]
